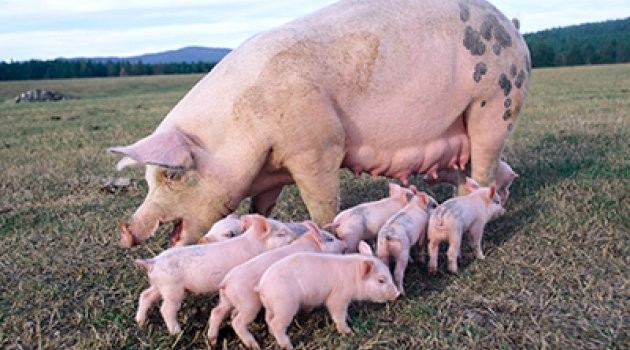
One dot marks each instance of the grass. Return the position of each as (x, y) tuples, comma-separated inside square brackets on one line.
[(555, 276)]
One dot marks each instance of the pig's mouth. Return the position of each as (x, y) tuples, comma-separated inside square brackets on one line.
[(176, 233)]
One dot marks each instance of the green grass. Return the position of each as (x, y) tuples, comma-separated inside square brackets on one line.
[(555, 275)]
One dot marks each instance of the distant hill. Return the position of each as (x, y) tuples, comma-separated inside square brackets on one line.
[(590, 43), (188, 54)]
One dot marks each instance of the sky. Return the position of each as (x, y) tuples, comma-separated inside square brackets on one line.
[(48, 29)]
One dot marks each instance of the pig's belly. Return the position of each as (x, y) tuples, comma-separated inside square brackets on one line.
[(399, 151)]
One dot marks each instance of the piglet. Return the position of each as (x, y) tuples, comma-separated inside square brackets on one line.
[(503, 178), (404, 230), (226, 228), (237, 289), (451, 219), (362, 222), (200, 268), (307, 280)]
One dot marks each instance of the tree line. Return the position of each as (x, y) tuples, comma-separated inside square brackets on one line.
[(591, 43), (60, 68)]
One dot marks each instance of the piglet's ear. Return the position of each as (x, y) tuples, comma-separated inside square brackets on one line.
[(364, 249), (471, 185), (366, 268), (170, 149), (313, 231), (492, 191)]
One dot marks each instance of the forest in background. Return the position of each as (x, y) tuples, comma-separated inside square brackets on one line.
[(592, 43)]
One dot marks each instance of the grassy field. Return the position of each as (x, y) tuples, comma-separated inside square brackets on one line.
[(555, 276)]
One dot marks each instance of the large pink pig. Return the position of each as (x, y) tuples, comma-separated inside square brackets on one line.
[(503, 179), (237, 288), (390, 88), (200, 268), (362, 222), (458, 215), (404, 230), (308, 280)]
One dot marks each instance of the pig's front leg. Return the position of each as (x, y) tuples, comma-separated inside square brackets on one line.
[(476, 235), (217, 315), (317, 177), (264, 202), (338, 309)]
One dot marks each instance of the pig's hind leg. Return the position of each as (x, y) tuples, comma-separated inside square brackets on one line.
[(217, 315), (246, 314), (147, 298), (279, 317), (172, 298)]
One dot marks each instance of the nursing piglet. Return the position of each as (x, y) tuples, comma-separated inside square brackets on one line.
[(362, 222), (404, 230), (237, 289), (200, 268), (226, 228), (307, 280), (451, 219)]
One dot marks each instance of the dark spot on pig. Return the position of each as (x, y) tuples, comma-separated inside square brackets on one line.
[(507, 103), (483, 103), (520, 79), (528, 64), (505, 84), (496, 48), (510, 127), (507, 115), (480, 70), (472, 41), (464, 12), (513, 70), (491, 27)]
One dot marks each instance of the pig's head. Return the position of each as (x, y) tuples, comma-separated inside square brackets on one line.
[(325, 241), (424, 201), (184, 188), (400, 193), (224, 229), (493, 201), (504, 177), (273, 234), (374, 279)]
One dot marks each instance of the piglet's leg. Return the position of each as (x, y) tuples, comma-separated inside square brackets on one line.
[(399, 271), (476, 235), (172, 301), (264, 202), (434, 248), (246, 315), (217, 315), (278, 319), (147, 298), (454, 245), (338, 309)]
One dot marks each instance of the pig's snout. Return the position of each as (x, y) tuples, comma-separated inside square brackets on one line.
[(126, 237), (394, 294), (205, 240)]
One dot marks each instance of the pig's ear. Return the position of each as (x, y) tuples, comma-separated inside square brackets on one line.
[(424, 198), (364, 249), (413, 189), (471, 185), (125, 162), (394, 189), (314, 232), (366, 267), (492, 191), (170, 149)]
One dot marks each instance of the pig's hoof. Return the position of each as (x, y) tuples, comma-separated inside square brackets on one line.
[(140, 321), (452, 271), (212, 340), (344, 329), (433, 271), (175, 330)]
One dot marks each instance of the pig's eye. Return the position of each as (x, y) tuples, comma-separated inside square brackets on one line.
[(173, 175), (432, 205), (381, 280), (231, 234)]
